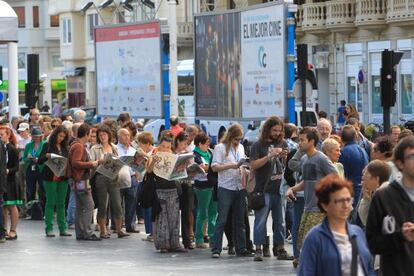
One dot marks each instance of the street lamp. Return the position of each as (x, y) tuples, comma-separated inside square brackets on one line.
[(86, 6), (105, 4)]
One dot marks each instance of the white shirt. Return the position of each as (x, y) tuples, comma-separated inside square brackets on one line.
[(126, 151), (345, 251), (228, 179)]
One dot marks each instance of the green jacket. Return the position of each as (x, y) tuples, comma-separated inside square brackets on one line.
[(29, 150)]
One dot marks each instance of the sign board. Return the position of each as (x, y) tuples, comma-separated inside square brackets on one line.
[(241, 62), (128, 70), (263, 62)]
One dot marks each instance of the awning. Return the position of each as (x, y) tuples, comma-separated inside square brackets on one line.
[(8, 23)]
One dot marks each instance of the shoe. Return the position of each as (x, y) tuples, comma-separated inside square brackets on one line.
[(215, 255), (258, 256), (105, 236), (141, 221), (179, 250), (231, 251), (266, 251), (2, 239), (11, 237), (149, 238), (206, 239), (65, 234), (122, 234), (50, 234), (191, 246), (283, 255), (28, 217), (92, 237), (133, 231), (80, 238), (295, 263), (71, 226), (245, 254), (202, 245), (163, 250)]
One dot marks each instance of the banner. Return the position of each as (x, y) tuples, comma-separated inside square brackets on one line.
[(263, 62)]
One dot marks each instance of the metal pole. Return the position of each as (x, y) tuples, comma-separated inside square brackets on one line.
[(387, 119), (291, 66), (166, 86), (13, 81), (172, 24)]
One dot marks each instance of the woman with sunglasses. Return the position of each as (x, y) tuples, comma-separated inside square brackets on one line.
[(335, 247), (56, 186)]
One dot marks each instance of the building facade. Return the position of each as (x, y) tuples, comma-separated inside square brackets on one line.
[(38, 34), (345, 39)]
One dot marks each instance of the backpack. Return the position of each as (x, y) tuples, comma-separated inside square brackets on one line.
[(212, 178), (35, 209)]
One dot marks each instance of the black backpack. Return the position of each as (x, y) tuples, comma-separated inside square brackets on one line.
[(212, 178), (35, 210)]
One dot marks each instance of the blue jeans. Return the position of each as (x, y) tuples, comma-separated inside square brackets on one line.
[(130, 199), (273, 202), (147, 213), (71, 208), (236, 201), (2, 231), (298, 206)]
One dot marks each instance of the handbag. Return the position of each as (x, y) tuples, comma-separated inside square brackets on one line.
[(124, 178), (256, 199)]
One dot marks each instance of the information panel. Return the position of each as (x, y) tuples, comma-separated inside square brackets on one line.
[(128, 70)]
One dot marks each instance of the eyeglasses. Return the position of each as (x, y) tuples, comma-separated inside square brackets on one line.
[(238, 139), (409, 157), (342, 201), (55, 126)]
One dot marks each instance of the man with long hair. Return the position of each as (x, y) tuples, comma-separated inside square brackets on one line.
[(268, 156), (226, 159)]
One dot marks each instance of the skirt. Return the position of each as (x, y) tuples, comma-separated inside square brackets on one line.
[(13, 194), (308, 221)]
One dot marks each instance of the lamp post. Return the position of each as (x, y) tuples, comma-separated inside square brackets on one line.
[(172, 23)]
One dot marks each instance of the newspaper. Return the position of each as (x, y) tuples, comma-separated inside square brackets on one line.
[(194, 169), (171, 166), (57, 164), (111, 166), (136, 162)]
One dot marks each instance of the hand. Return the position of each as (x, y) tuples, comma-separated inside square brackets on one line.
[(7, 171), (284, 153), (275, 152), (290, 195), (48, 155), (95, 164), (100, 162), (234, 166), (408, 231)]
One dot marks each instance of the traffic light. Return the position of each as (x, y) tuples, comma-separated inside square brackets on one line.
[(389, 77), (33, 82)]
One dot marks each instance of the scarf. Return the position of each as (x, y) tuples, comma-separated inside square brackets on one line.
[(206, 155)]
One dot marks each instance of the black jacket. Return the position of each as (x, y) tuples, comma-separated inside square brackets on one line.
[(397, 254), (47, 148), (13, 162), (3, 178)]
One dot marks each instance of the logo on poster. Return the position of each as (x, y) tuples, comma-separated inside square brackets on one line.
[(262, 57)]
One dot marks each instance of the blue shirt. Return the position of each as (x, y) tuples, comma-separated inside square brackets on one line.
[(341, 117), (354, 159), (320, 254)]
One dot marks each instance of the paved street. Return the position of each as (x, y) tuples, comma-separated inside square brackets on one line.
[(35, 254)]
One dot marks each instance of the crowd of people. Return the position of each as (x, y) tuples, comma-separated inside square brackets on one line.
[(345, 202)]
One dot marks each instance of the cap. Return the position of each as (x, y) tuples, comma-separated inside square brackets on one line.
[(36, 131), (23, 127)]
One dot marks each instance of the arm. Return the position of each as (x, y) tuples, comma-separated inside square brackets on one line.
[(25, 158), (294, 163), (218, 160), (43, 155), (76, 160), (309, 257), (290, 193), (379, 243)]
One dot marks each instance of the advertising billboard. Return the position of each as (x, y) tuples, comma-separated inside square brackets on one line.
[(263, 62), (128, 70), (217, 65), (240, 63)]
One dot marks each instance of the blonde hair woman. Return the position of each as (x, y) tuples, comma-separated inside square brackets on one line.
[(332, 149)]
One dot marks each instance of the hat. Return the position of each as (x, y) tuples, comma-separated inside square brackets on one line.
[(36, 131), (23, 127)]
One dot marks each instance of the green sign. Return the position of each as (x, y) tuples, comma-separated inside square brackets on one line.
[(58, 85), (5, 85)]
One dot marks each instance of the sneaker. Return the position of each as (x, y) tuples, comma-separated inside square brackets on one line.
[(231, 251), (28, 217), (50, 234), (2, 239), (92, 237), (215, 255), (149, 238), (266, 251), (202, 245), (206, 239), (245, 254), (258, 256), (71, 226), (65, 234), (283, 255), (191, 246), (295, 263), (141, 221)]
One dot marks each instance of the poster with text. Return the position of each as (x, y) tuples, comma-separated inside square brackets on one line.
[(263, 58), (128, 70), (217, 65)]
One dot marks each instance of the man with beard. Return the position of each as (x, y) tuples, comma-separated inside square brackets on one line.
[(268, 157)]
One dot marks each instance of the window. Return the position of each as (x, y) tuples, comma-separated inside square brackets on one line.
[(67, 31), (21, 60), (92, 22), (35, 17), (54, 21), (406, 93), (56, 62), (375, 85), (21, 16), (121, 17)]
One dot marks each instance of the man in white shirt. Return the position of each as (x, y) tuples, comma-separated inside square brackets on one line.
[(129, 195)]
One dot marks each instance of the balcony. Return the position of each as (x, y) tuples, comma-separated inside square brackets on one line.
[(400, 12), (185, 33), (52, 33), (314, 18), (371, 14), (340, 15), (299, 21)]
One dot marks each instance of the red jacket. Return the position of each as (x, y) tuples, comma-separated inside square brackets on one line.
[(78, 161)]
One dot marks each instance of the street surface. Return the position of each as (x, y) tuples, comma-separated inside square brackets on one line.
[(34, 254)]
